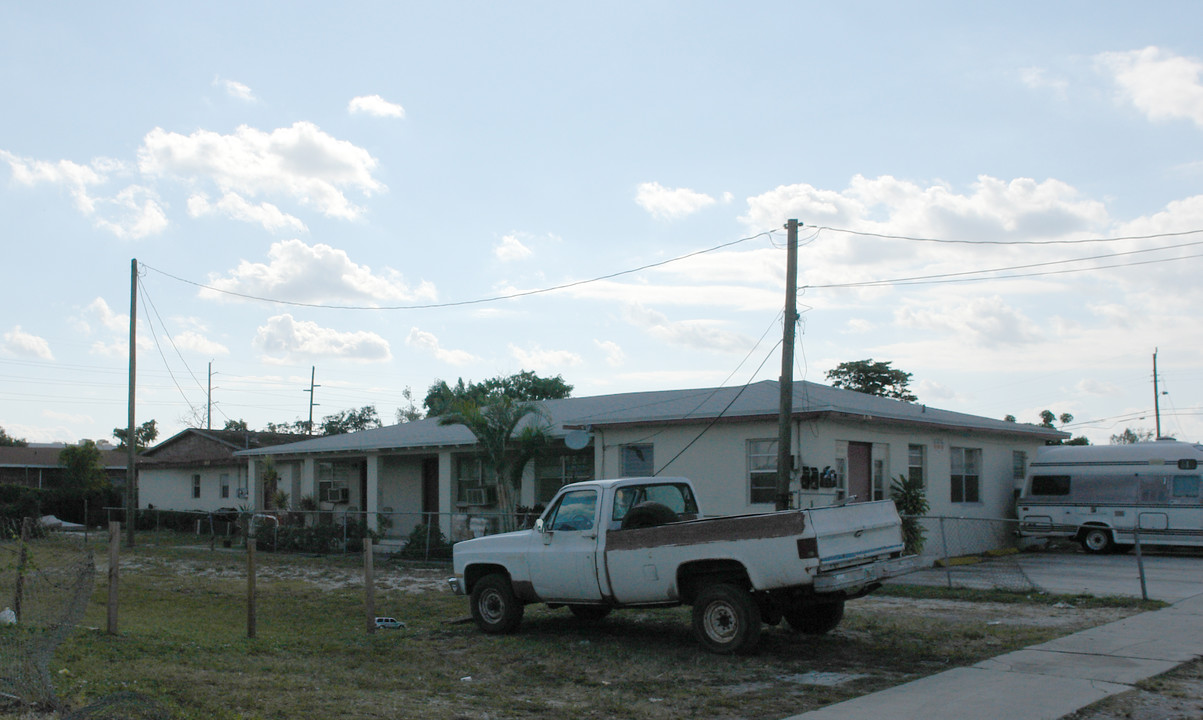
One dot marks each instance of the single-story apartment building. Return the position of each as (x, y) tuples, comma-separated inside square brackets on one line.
[(197, 470), (845, 446), (37, 466)]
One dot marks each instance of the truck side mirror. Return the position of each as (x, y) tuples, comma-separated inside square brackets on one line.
[(539, 525)]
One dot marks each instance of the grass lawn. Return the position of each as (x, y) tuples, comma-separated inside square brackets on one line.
[(182, 641)]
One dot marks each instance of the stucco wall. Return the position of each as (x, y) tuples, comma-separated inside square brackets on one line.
[(171, 488)]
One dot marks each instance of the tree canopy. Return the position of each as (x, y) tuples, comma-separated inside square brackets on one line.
[(144, 435), (1130, 436), (7, 440), (84, 468), (349, 421), (872, 378), (525, 386)]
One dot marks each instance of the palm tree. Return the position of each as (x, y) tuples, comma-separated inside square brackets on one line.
[(493, 422)]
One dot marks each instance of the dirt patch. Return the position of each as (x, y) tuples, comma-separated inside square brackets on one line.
[(1061, 615), (1177, 695)]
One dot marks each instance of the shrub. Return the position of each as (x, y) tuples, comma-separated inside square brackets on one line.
[(426, 541), (910, 498)]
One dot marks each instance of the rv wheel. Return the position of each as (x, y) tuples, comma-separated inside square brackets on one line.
[(1097, 541)]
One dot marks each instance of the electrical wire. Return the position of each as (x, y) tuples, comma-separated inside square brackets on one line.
[(1010, 242), (476, 301)]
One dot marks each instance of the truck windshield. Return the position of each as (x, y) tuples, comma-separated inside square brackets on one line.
[(676, 496)]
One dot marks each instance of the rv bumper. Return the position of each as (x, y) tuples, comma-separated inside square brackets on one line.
[(856, 577)]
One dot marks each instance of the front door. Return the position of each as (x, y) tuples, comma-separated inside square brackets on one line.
[(563, 558), (430, 491), (860, 475)]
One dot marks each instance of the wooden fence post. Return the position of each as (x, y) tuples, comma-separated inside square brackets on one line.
[(114, 572), (22, 561), (369, 584), (251, 619)]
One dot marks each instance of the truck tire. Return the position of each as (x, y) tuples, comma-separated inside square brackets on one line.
[(495, 608), (590, 613), (817, 619), (726, 619), (1097, 540), (647, 514)]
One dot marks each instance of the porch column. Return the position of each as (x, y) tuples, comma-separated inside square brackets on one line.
[(252, 484), (309, 477), (445, 498), (372, 501)]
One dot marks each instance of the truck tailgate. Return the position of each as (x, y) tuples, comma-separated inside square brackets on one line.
[(855, 533)]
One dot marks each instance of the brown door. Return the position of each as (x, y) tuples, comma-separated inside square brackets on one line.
[(430, 490), (860, 471)]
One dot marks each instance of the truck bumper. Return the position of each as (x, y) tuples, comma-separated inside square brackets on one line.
[(457, 587), (855, 577)]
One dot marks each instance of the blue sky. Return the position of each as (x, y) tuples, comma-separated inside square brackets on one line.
[(382, 156)]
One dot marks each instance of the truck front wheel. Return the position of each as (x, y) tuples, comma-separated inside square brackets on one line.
[(726, 619), (495, 608), (815, 619)]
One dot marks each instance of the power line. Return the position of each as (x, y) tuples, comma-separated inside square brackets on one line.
[(1010, 242), (477, 301)]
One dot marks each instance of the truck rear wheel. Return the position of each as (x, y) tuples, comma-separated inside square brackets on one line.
[(815, 619), (495, 608), (726, 619)]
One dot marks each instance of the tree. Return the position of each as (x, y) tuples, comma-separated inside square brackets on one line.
[(525, 386), (1130, 436), (84, 469), (299, 427), (236, 425), (493, 423), (7, 440), (1047, 418), (349, 421), (872, 378), (410, 411), (144, 435)]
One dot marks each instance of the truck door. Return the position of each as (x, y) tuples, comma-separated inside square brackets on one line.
[(563, 558)]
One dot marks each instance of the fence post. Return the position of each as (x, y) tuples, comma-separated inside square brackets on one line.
[(369, 584), (114, 573), (22, 560), (944, 542), (251, 618), (428, 523), (1140, 562)]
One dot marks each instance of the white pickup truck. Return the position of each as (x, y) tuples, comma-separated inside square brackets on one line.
[(639, 543)]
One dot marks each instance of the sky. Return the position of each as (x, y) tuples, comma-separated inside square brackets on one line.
[(1004, 200)]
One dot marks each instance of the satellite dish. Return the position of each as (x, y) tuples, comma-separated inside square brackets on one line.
[(577, 440)]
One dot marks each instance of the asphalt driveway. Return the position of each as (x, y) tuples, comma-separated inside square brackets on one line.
[(1170, 575)]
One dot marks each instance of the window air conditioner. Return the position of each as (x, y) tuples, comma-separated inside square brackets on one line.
[(242, 493), (475, 496), (335, 494)]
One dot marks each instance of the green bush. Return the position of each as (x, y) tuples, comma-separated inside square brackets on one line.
[(426, 541), (910, 498)]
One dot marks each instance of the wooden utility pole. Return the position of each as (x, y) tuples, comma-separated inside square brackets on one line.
[(1156, 397), (131, 445), (785, 463), (312, 387)]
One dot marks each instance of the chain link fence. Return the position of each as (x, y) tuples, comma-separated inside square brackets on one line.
[(971, 553), (46, 578)]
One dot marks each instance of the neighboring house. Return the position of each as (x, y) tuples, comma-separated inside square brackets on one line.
[(846, 445), (197, 470), (38, 466)]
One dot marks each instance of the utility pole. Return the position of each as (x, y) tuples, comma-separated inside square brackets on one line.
[(209, 396), (1156, 397), (312, 386), (131, 490), (785, 463)]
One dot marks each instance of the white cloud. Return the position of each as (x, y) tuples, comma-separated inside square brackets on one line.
[(300, 162), (540, 360), (140, 214), (74, 177), (283, 338), (427, 342), (194, 341), (670, 203), (1157, 82), (511, 248), (615, 357), (107, 317), (995, 209), (1038, 79), (235, 89), (318, 274), (19, 343), (982, 321), (695, 334), (234, 206), (376, 106)]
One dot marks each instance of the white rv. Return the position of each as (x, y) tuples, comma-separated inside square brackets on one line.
[(1100, 495)]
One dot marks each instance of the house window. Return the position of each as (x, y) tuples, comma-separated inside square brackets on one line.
[(475, 483), (552, 473), (965, 474), (762, 471), (196, 486), (1019, 465), (916, 464), (637, 460), (225, 485), (334, 481)]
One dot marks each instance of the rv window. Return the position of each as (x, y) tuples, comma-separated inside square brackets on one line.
[(1122, 489), (1050, 485), (1154, 490), (1188, 464), (1186, 486)]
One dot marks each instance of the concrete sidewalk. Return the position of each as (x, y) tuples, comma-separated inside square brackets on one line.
[(1043, 681)]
